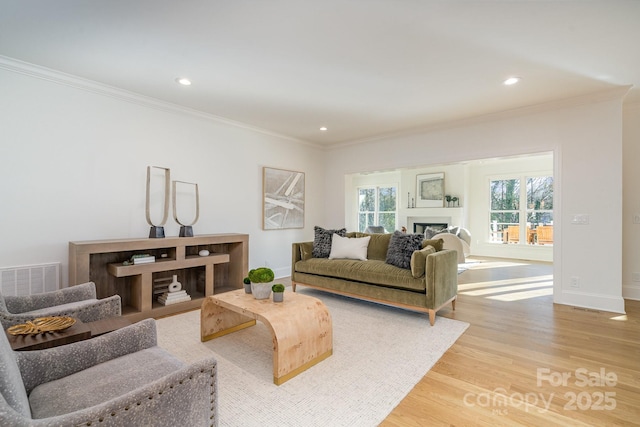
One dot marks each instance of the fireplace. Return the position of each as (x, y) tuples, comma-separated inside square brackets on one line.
[(420, 227), (418, 224)]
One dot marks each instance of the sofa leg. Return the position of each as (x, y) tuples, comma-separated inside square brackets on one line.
[(453, 303), (432, 317), (293, 286)]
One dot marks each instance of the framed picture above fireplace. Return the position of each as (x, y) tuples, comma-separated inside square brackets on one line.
[(430, 190)]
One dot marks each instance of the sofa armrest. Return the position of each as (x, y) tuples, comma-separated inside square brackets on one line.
[(295, 257), (187, 396), (42, 366), (21, 304), (300, 251), (441, 277)]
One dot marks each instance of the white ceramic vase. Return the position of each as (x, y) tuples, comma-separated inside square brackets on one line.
[(261, 290)]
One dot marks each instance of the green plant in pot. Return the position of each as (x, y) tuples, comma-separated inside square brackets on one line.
[(278, 292), (261, 279), (247, 285)]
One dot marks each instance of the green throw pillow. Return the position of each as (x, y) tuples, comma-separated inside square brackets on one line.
[(306, 251), (419, 261), (438, 244)]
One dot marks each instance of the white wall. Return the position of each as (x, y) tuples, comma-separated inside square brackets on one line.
[(631, 202), (585, 136), (73, 167)]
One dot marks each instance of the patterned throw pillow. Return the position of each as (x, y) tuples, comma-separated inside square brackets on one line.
[(322, 241), (401, 247)]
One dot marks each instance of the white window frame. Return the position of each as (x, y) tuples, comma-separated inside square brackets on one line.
[(523, 209), (376, 212)]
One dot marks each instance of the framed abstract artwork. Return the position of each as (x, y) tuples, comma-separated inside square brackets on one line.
[(283, 199), (430, 190)]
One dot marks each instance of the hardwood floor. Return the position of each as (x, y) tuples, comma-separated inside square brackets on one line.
[(503, 370)]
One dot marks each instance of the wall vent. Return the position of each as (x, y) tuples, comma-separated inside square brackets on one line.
[(30, 279)]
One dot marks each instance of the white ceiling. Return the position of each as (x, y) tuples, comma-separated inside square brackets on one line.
[(363, 68)]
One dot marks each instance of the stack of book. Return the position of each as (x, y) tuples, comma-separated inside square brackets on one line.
[(169, 298), (143, 259)]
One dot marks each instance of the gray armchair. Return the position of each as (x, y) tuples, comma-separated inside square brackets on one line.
[(118, 379), (76, 301)]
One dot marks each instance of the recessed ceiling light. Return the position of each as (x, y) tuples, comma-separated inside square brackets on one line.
[(511, 81), (323, 128), (184, 81)]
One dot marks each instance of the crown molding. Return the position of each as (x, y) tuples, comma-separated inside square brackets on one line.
[(59, 77)]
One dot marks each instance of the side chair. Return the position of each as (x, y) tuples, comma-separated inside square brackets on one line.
[(76, 301), (121, 378)]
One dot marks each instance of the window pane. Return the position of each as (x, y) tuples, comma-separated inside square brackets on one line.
[(507, 218), (539, 218), (540, 193), (366, 199), (500, 223), (505, 194), (388, 221), (387, 199)]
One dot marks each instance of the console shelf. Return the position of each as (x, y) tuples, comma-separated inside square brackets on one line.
[(101, 261)]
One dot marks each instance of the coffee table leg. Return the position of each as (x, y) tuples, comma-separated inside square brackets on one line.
[(216, 321), (300, 341)]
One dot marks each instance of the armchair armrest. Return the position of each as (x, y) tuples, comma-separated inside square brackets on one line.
[(21, 304), (42, 366), (187, 396), (85, 310)]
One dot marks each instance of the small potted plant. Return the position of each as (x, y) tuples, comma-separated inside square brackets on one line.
[(261, 279), (278, 292), (247, 285)]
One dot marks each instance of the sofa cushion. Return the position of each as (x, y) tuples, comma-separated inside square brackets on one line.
[(401, 247), (101, 382), (378, 245), (349, 248), (419, 261), (322, 241), (372, 272), (429, 232)]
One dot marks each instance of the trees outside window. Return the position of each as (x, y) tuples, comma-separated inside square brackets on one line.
[(377, 206)]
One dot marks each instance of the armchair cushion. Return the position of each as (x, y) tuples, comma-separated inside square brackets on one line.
[(101, 383)]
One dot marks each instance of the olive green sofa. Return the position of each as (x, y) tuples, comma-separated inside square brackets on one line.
[(430, 284)]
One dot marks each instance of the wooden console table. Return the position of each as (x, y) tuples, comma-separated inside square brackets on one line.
[(101, 261)]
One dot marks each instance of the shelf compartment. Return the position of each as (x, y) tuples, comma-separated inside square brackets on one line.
[(120, 270)]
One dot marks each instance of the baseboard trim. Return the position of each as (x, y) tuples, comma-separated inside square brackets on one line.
[(593, 301), (631, 292)]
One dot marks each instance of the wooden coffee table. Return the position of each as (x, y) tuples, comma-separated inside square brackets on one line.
[(301, 327)]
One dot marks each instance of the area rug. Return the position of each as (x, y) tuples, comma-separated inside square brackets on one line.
[(379, 354)]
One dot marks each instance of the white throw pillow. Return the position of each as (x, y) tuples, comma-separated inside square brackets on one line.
[(349, 248)]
